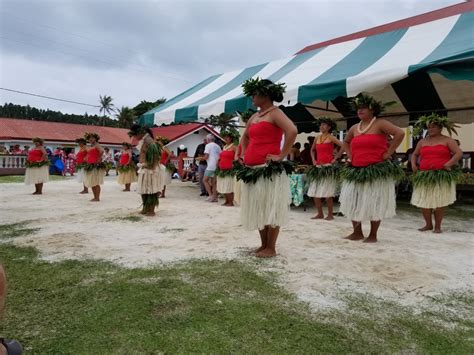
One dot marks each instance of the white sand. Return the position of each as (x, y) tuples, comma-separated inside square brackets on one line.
[(406, 266)]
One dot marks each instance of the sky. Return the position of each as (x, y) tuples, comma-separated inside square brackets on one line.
[(148, 49)]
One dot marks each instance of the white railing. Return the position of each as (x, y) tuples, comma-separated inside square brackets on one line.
[(186, 162), (12, 161)]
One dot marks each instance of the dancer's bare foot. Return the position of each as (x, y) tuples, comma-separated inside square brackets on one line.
[(329, 218), (142, 212), (425, 228), (95, 200), (266, 253), (370, 239), (84, 192), (437, 230), (258, 250), (36, 193), (150, 214), (318, 216), (355, 236)]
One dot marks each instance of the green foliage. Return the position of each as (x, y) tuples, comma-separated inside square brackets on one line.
[(251, 175), (37, 164), (150, 201), (126, 168), (232, 133), (384, 170), (27, 112), (170, 167), (257, 86), (434, 178), (145, 106), (225, 173), (106, 105), (126, 117), (223, 121), (98, 166), (153, 154), (245, 116), (441, 121), (369, 102), (321, 172)]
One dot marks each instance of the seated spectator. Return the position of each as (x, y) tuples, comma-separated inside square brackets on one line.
[(305, 156), (295, 153), (16, 149)]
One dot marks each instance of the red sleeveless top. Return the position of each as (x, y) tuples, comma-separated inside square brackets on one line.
[(368, 149), (35, 155), (81, 156), (264, 139), (164, 157), (324, 153), (93, 156), (434, 157), (226, 159), (124, 158)]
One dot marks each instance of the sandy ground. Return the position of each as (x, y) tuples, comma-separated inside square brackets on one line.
[(406, 266)]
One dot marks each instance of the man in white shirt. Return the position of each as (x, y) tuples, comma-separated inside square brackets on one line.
[(211, 154)]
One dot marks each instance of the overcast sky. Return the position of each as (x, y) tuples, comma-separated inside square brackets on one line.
[(147, 49)]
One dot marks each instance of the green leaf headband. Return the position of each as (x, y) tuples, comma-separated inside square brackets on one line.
[(89, 135), (366, 101), (331, 123), (263, 87), (441, 121)]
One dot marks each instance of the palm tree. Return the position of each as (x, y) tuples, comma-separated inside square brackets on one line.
[(223, 121), (106, 106), (126, 117)]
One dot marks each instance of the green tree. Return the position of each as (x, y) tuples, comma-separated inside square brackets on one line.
[(106, 106), (224, 121), (145, 106), (126, 117)]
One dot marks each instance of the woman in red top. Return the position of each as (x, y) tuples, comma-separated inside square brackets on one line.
[(95, 169), (166, 166), (323, 176), (126, 168), (368, 186), (265, 200), (80, 163), (37, 166), (434, 186), (224, 173)]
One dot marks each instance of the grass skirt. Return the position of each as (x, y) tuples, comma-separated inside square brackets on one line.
[(149, 181), (265, 202), (165, 175), (225, 185), (37, 175), (127, 177), (237, 191), (80, 176), (368, 201), (94, 177), (323, 188), (434, 196)]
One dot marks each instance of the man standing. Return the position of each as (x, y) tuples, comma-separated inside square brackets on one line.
[(211, 154), (198, 155)]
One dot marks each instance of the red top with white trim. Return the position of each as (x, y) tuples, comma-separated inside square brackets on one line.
[(434, 157), (264, 139), (368, 149)]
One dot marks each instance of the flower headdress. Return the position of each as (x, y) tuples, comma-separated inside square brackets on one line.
[(264, 87), (162, 139), (89, 135), (232, 133), (441, 121), (37, 140), (127, 144), (136, 129), (331, 123), (81, 141)]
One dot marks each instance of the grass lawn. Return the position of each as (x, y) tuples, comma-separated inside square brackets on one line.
[(21, 178), (202, 306)]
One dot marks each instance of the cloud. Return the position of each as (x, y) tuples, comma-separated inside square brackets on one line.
[(138, 50)]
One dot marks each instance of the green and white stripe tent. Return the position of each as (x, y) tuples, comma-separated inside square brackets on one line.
[(425, 66)]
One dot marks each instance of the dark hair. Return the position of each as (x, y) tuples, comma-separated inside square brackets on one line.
[(297, 145), (274, 95), (264, 87)]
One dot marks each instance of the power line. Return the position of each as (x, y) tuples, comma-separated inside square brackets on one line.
[(49, 97)]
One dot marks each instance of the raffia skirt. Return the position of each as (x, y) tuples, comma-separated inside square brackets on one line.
[(369, 201), (127, 177), (225, 185), (265, 202), (237, 191), (434, 196), (80, 176), (165, 175), (37, 175), (323, 188), (94, 177), (149, 181)]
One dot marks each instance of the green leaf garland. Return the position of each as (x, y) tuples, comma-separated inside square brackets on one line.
[(384, 170), (225, 173), (434, 178), (98, 166), (37, 164), (320, 172), (251, 175)]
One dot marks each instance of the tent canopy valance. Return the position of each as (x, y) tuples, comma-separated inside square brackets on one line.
[(428, 66)]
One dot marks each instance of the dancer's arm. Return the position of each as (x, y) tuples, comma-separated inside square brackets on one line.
[(313, 148), (457, 154), (289, 130), (397, 134), (337, 142), (414, 156), (346, 146)]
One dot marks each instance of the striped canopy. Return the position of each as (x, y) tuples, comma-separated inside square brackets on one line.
[(426, 66)]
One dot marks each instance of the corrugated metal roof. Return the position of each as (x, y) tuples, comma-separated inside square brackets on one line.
[(55, 131)]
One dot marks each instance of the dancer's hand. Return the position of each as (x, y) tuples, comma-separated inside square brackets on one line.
[(447, 167), (387, 156), (273, 157), (414, 169)]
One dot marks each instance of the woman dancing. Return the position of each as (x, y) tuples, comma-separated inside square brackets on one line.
[(37, 166), (323, 176), (81, 162), (265, 195), (165, 164), (225, 173), (149, 184), (368, 185), (94, 169), (434, 182), (126, 167)]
